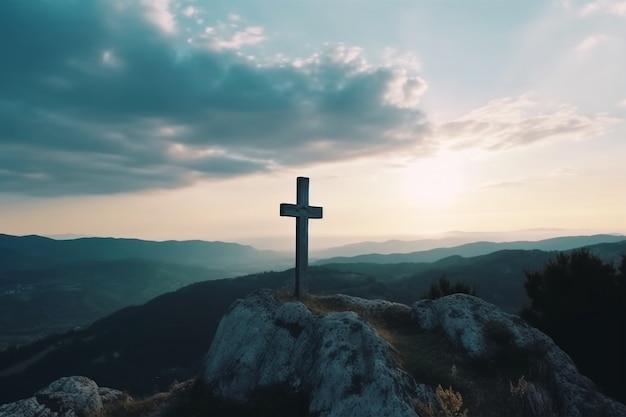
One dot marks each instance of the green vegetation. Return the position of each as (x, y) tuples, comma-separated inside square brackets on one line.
[(579, 301), (443, 287), (497, 277)]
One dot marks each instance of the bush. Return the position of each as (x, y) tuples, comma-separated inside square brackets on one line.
[(443, 287), (579, 300)]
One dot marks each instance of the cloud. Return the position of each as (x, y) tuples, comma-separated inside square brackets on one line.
[(610, 7), (509, 123), (590, 42), (158, 13), (190, 11), (525, 181), (108, 96), (225, 37)]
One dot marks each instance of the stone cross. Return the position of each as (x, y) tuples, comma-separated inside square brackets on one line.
[(302, 212)]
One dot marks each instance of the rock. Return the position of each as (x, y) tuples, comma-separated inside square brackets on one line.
[(485, 333), (336, 360), (373, 309), (109, 395), (74, 396)]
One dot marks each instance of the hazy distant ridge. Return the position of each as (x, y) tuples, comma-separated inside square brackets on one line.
[(472, 249), (18, 252)]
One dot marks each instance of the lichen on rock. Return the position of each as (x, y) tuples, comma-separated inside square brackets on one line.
[(483, 331), (74, 396), (336, 359)]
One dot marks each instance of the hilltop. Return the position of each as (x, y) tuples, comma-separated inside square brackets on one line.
[(338, 356), (145, 348)]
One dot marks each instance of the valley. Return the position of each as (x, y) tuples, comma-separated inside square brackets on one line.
[(140, 325)]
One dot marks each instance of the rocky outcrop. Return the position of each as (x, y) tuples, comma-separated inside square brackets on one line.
[(336, 361), (486, 333), (75, 396)]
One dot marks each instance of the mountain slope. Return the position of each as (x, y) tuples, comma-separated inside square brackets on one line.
[(498, 276), (49, 285), (37, 302), (145, 348)]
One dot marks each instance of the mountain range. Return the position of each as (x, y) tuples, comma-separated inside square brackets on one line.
[(232, 259), (144, 348), (382, 251), (49, 286)]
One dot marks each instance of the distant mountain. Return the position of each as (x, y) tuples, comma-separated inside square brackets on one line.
[(143, 349), (466, 250), (49, 285), (440, 240), (498, 276), (25, 252), (387, 247)]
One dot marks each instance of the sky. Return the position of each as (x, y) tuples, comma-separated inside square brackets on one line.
[(181, 119)]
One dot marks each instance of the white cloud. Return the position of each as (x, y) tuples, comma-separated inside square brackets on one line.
[(228, 37), (403, 90), (248, 36), (524, 181), (589, 9), (590, 42), (508, 123), (611, 7), (349, 55), (622, 103), (619, 9), (158, 13), (393, 58), (189, 11), (348, 58)]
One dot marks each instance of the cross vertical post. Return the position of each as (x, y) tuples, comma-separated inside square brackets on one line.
[(302, 212)]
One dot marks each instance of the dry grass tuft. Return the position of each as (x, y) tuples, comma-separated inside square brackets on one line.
[(449, 404), (153, 405), (508, 387)]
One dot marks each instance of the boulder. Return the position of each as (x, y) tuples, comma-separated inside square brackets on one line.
[(336, 361), (369, 309), (488, 334), (74, 396)]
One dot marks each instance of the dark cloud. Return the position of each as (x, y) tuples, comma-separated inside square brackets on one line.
[(94, 98)]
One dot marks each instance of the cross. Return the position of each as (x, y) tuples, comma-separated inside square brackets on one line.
[(302, 212)]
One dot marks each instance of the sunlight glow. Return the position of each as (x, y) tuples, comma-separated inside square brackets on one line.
[(435, 182)]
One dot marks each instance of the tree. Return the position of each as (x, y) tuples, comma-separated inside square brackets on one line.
[(580, 302), (443, 287)]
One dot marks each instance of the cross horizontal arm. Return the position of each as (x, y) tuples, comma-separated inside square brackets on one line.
[(295, 210)]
